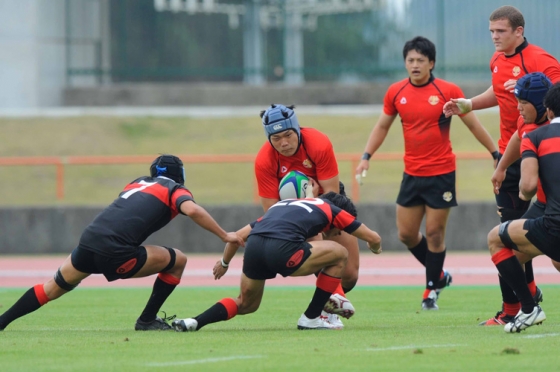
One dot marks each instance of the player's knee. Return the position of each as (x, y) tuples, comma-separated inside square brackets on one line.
[(435, 238), (407, 238), (494, 241), (62, 284), (247, 307), (177, 261), (556, 265)]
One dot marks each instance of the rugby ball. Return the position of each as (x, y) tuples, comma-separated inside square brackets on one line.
[(293, 186)]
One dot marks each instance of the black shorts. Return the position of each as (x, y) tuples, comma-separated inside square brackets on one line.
[(544, 238), (509, 191), (266, 257), (122, 267), (436, 192)]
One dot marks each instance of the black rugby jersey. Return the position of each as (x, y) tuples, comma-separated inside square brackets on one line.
[(144, 206), (298, 220), (544, 144)]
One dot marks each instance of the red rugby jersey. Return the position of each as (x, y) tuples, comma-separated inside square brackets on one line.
[(315, 158), (426, 129), (526, 59)]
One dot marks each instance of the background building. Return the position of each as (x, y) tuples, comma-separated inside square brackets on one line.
[(50, 48)]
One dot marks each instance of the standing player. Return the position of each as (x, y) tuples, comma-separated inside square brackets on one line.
[(514, 57), (428, 186), (309, 151), (112, 244), (530, 91), (537, 236), (277, 244)]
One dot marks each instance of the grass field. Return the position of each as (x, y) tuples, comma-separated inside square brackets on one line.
[(98, 185), (92, 330)]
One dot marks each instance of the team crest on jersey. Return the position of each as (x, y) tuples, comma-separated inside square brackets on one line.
[(307, 163), (434, 100), (516, 71), (403, 101), (283, 169), (447, 196), (496, 69)]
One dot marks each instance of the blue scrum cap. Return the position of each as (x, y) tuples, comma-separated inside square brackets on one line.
[(168, 166), (532, 88), (278, 118)]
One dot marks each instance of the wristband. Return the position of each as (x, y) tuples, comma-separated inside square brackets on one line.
[(366, 156), (224, 264), (496, 155)]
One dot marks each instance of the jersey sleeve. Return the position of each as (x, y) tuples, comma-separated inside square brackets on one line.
[(267, 180), (389, 107), (180, 195), (528, 148), (550, 67), (324, 158), (344, 221)]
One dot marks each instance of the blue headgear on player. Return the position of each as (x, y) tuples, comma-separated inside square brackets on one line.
[(532, 88), (168, 166), (278, 118)]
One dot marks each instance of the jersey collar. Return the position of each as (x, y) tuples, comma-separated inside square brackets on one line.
[(519, 48), (432, 78)]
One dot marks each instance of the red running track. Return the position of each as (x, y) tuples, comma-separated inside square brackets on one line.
[(470, 268)]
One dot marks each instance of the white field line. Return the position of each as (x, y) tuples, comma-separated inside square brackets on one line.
[(392, 348), (202, 361), (542, 335), (363, 272)]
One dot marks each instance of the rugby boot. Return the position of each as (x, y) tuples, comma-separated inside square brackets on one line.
[(304, 323), (157, 324), (185, 325), (444, 281), (332, 318), (339, 305), (523, 321), (429, 303), (501, 318)]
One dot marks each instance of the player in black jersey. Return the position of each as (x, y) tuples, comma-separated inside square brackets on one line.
[(277, 243), (112, 244), (540, 154)]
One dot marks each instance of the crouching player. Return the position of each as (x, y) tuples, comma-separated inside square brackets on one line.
[(112, 244), (534, 236), (277, 243)]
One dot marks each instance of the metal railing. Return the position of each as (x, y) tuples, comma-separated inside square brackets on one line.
[(60, 162)]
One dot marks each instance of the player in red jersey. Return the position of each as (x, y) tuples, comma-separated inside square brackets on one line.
[(530, 91), (428, 186), (514, 58), (112, 244), (534, 236), (277, 243), (309, 151)]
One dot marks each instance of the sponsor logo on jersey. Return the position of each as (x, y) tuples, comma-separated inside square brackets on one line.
[(447, 196), (127, 266), (307, 163), (284, 169), (295, 259), (516, 71), (496, 69), (403, 101), (434, 100)]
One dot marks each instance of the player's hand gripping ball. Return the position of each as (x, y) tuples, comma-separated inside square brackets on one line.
[(294, 186)]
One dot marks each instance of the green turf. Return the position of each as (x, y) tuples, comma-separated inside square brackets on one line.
[(98, 185), (92, 330)]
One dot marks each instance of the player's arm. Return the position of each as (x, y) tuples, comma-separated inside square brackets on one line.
[(203, 219), (457, 106), (372, 238), (529, 178), (332, 184), (266, 203), (481, 134), (511, 154), (376, 138), (221, 267)]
